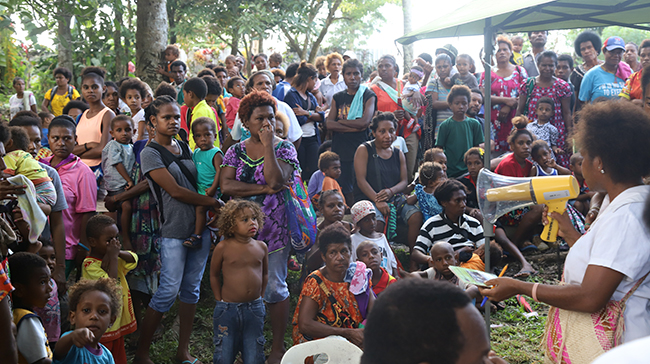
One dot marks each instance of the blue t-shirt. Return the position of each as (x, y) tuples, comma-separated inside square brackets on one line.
[(205, 168), (598, 82), (86, 355)]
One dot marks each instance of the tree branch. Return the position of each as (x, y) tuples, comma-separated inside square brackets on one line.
[(323, 32)]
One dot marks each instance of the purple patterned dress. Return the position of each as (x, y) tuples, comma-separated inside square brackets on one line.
[(275, 232)]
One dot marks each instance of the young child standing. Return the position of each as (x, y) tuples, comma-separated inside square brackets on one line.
[(464, 76), (329, 165), (133, 92), (194, 92), (237, 88), (368, 252), (94, 306), (458, 133), (364, 217), (545, 164), (117, 162), (106, 260), (30, 277), (243, 262), (207, 159), (50, 314), (430, 175), (542, 128)]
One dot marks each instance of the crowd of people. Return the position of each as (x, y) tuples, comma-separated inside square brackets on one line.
[(199, 170)]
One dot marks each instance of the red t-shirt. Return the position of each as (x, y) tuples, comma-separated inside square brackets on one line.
[(510, 167), (385, 281)]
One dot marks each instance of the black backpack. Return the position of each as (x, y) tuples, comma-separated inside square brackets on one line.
[(168, 158)]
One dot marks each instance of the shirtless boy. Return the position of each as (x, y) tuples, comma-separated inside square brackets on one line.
[(243, 261)]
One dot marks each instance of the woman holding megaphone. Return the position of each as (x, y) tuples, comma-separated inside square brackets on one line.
[(604, 297)]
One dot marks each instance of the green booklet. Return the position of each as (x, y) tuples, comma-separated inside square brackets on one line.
[(471, 276)]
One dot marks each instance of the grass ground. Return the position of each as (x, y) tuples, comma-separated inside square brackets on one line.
[(513, 336)]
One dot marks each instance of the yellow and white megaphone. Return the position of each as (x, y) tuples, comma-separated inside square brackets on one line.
[(499, 194)]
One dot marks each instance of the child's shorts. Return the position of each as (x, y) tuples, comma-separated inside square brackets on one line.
[(239, 327)]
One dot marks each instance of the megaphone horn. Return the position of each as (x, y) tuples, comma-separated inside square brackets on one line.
[(498, 195)]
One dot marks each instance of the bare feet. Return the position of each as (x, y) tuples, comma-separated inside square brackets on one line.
[(526, 271), (275, 357), (142, 360)]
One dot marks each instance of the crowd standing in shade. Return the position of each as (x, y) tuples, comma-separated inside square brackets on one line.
[(209, 163)]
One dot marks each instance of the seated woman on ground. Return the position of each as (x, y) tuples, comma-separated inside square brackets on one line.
[(316, 317), (375, 166), (452, 225), (517, 165), (474, 162)]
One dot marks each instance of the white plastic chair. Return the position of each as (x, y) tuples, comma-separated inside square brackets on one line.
[(337, 348)]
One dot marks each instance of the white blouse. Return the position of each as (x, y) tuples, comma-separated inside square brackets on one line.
[(619, 239)]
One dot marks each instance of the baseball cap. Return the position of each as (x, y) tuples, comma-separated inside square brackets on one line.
[(449, 50), (612, 43), (361, 209)]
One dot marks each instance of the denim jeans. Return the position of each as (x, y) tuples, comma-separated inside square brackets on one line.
[(239, 327), (181, 271)]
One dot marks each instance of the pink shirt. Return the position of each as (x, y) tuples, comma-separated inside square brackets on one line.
[(231, 111), (80, 189), (89, 130)]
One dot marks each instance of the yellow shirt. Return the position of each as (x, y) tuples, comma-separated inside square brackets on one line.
[(125, 322), (518, 58), (59, 101), (202, 109)]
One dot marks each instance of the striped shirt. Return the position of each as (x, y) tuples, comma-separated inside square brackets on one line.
[(468, 232)]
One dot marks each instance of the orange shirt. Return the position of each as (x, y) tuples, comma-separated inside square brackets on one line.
[(89, 130)]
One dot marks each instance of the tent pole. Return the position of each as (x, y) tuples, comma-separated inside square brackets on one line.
[(487, 226)]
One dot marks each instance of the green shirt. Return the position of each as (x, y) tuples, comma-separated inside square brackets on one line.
[(455, 138)]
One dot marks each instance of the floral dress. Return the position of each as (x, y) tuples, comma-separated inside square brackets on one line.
[(345, 314), (559, 90), (275, 232), (504, 87)]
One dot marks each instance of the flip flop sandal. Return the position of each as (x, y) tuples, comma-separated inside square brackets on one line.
[(193, 242)]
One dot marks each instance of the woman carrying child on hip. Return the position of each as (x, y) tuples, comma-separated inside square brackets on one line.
[(172, 175)]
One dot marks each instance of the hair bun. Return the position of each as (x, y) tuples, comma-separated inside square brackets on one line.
[(520, 122)]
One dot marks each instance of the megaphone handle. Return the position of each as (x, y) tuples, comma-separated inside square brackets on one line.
[(549, 234)]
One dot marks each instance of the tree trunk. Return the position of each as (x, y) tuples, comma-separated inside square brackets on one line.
[(408, 49), (150, 39), (64, 46), (120, 56)]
